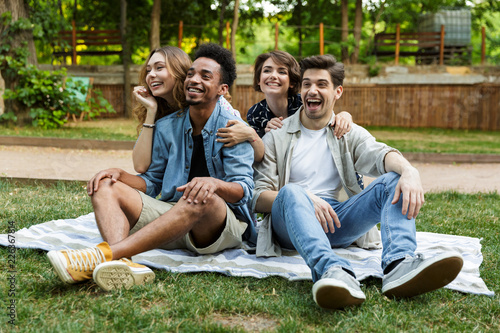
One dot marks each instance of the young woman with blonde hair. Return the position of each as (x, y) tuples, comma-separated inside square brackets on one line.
[(161, 92)]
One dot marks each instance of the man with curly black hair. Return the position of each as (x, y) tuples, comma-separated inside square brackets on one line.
[(223, 57), (204, 188)]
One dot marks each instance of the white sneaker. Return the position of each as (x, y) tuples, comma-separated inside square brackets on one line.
[(121, 273), (417, 275), (337, 289)]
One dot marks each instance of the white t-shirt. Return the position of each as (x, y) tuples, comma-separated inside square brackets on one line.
[(312, 165)]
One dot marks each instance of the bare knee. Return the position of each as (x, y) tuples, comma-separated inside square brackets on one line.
[(106, 191), (204, 211)]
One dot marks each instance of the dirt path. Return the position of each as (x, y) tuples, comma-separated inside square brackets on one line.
[(74, 164)]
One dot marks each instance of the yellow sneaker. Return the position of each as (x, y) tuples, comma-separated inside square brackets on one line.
[(121, 273), (73, 266)]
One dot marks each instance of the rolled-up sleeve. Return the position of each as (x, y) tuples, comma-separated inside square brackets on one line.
[(369, 154), (156, 171), (266, 172), (237, 164)]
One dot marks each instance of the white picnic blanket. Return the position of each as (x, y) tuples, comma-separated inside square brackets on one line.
[(82, 232)]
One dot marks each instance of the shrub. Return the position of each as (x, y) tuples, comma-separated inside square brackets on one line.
[(44, 93)]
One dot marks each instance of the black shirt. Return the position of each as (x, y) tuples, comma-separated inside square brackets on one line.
[(198, 162)]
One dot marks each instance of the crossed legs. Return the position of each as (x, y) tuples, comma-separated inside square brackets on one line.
[(118, 207)]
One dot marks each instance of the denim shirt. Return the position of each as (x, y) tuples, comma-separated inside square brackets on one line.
[(171, 161)]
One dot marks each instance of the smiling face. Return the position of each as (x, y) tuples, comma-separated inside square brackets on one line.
[(158, 78), (274, 79), (203, 82), (318, 96)]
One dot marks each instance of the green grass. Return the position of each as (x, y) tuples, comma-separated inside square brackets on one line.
[(211, 302), (106, 129), (436, 140)]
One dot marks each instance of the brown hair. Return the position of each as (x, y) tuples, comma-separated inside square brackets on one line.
[(326, 62), (177, 63), (282, 58)]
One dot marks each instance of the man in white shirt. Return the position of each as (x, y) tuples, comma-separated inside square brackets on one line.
[(300, 184)]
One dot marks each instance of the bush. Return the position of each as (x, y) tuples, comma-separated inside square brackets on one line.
[(46, 94), (49, 98)]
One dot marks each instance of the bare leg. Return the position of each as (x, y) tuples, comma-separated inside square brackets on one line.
[(117, 208), (204, 221)]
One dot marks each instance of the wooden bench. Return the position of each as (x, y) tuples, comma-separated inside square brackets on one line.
[(70, 39), (430, 45)]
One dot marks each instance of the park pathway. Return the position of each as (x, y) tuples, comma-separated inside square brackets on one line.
[(81, 164)]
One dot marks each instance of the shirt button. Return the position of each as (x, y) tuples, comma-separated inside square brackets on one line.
[(187, 166)]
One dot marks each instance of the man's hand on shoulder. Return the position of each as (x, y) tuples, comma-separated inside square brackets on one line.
[(410, 186)]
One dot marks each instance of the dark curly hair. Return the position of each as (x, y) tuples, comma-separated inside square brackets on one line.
[(223, 57)]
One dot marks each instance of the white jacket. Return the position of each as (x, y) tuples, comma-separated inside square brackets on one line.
[(357, 151)]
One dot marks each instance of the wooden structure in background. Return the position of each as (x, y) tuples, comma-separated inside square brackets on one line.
[(430, 45), (468, 107), (74, 38)]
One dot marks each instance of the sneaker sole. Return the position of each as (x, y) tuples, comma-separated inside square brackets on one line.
[(115, 275), (334, 294), (60, 267), (436, 275)]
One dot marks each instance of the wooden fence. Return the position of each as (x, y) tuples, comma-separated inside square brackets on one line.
[(470, 107)]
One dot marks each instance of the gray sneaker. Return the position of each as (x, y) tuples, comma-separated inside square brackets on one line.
[(418, 275), (337, 289)]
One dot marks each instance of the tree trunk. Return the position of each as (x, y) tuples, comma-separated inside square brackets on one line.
[(344, 11), (234, 27), (358, 24), (377, 19), (299, 23), (154, 36), (127, 90), (18, 10), (222, 26), (2, 88)]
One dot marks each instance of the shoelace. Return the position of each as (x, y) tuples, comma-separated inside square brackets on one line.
[(87, 259)]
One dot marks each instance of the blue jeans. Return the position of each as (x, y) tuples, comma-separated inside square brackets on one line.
[(295, 225)]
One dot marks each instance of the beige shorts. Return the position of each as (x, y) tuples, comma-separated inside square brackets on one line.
[(231, 236)]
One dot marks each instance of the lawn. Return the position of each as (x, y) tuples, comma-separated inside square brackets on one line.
[(437, 140), (211, 302), (431, 140)]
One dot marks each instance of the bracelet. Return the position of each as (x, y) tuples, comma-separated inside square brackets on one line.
[(148, 125)]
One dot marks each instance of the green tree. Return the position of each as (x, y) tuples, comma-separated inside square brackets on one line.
[(17, 48)]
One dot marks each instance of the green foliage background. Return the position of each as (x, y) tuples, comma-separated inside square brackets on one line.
[(256, 24)]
